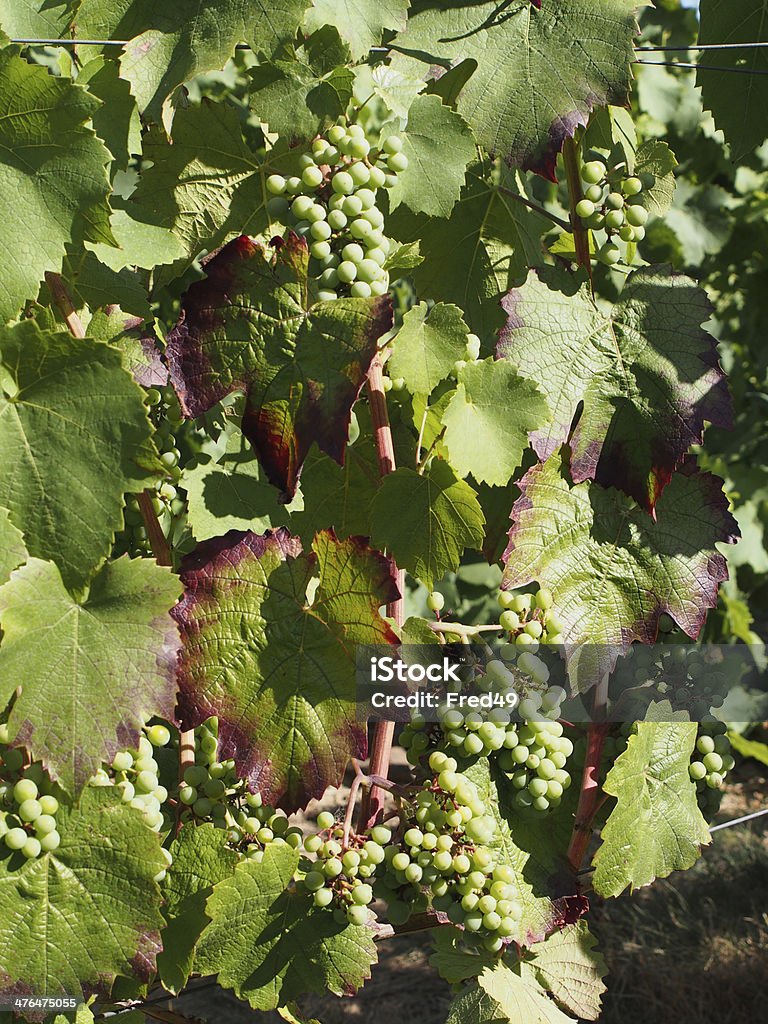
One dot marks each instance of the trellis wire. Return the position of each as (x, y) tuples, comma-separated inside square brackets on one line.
[(700, 67), (739, 821)]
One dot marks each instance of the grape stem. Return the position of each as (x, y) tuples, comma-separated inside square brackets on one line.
[(158, 543), (575, 195), (420, 465), (535, 207), (352, 799), (63, 302), (461, 630), (383, 734), (590, 796)]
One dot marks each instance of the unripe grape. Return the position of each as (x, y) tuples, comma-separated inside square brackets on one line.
[(596, 221), (336, 133), (337, 220), (320, 250), (359, 173), (49, 804), (158, 735), (315, 213), (327, 295), (637, 216), (632, 186), (301, 206), (29, 810), (397, 162), (609, 254), (15, 838), (381, 286), (342, 183), (31, 848), (360, 290), (360, 228), (354, 252), (312, 176), (639, 234), (509, 621), (627, 233), (392, 144), (276, 184), (352, 206), (320, 230), (593, 172), (594, 193), (697, 771), (50, 842), (202, 807), (377, 255), (614, 200), (614, 220), (347, 271), (325, 819), (585, 208), (25, 789), (366, 196)]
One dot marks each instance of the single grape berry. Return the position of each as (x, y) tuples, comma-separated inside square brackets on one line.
[(585, 208), (435, 601), (593, 172)]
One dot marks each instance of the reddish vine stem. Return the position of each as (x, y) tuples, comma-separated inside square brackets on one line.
[(590, 796), (580, 233), (63, 302), (383, 734)]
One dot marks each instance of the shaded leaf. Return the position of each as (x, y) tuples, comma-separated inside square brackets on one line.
[(255, 324), (91, 672), (501, 996), (569, 967), (642, 378), (286, 709), (425, 521), (268, 943), (361, 23), (12, 550), (76, 438)]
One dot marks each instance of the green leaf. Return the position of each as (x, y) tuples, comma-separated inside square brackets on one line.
[(749, 748), (201, 858), (502, 996), (453, 960), (232, 493), (52, 174), (643, 376), (255, 324), (655, 167), (76, 437), (92, 283), (426, 520), (656, 826), (613, 570), (404, 257), (205, 186), (138, 244), (12, 550), (488, 420), (269, 944), (340, 496), (482, 250), (568, 966), (116, 121), (180, 42), (277, 668), (91, 672), (427, 345), (298, 98), (737, 101), (106, 862), (361, 23), (613, 130), (439, 146), (541, 68)]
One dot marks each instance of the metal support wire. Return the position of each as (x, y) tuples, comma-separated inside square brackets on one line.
[(700, 67), (739, 821), (700, 46)]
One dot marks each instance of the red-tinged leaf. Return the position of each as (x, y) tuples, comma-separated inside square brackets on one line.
[(612, 570), (276, 666), (638, 382), (255, 324), (141, 355)]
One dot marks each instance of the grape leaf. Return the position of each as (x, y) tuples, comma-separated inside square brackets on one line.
[(116, 121), (94, 284), (139, 244), (501, 996), (643, 378), (201, 858), (426, 520), (268, 943), (297, 98), (205, 187), (488, 420), (360, 22), (568, 966), (482, 250), (427, 345), (255, 324), (12, 550), (737, 101), (613, 570), (76, 437), (141, 356), (91, 672), (52, 175), (180, 42), (655, 167), (612, 130), (439, 146), (539, 73), (106, 862), (231, 493), (656, 826), (284, 692)]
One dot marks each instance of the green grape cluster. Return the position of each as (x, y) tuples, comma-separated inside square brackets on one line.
[(710, 763), (612, 203), (28, 804), (210, 787), (340, 876), (443, 859), (136, 774), (688, 676), (535, 759), (530, 618), (333, 205), (254, 825)]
